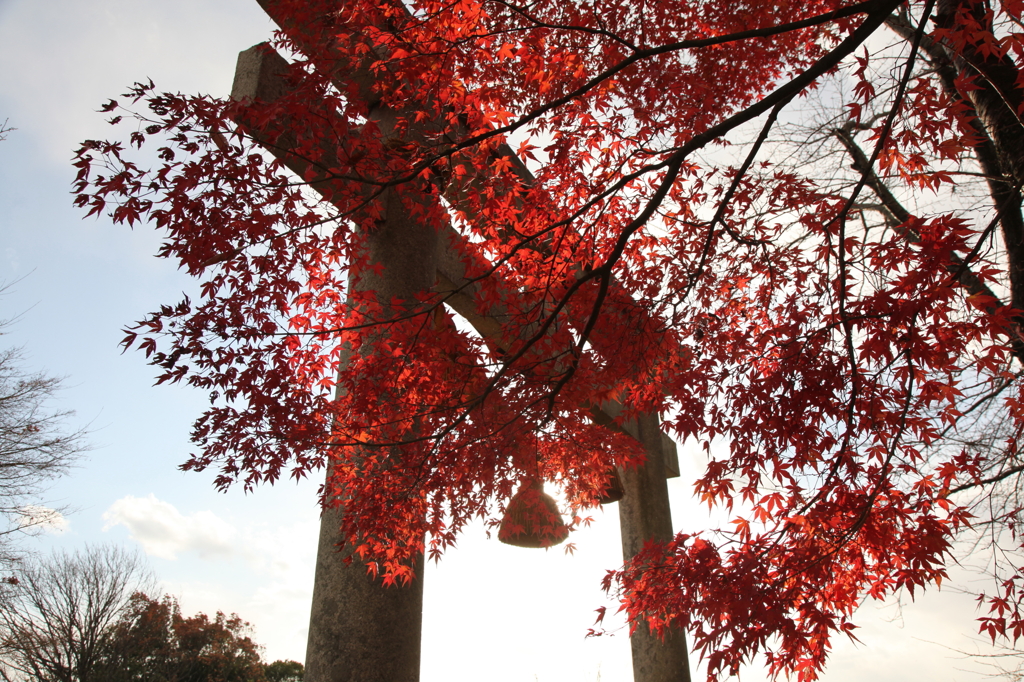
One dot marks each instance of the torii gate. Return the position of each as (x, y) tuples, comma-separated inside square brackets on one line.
[(359, 630)]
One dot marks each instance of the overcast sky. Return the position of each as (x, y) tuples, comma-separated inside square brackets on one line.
[(492, 612)]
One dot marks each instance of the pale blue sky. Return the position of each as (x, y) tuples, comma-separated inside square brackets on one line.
[(492, 612)]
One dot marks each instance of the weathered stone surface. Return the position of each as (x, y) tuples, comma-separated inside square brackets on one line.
[(644, 514), (359, 631)]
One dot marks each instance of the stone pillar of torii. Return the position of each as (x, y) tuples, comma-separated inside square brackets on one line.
[(361, 631)]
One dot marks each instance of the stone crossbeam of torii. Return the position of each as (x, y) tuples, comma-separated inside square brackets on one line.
[(359, 630)]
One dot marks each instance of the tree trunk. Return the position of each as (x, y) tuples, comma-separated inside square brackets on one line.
[(996, 99)]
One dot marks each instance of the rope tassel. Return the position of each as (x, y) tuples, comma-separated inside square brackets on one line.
[(532, 518)]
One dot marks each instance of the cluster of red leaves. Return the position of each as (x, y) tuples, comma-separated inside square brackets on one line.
[(154, 641), (741, 302)]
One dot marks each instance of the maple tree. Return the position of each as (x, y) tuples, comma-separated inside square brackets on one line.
[(829, 342)]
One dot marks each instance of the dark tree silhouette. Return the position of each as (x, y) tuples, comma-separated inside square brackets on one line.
[(56, 614), (153, 641)]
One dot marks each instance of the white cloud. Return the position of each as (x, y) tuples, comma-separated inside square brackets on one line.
[(42, 518), (265, 569), (165, 532)]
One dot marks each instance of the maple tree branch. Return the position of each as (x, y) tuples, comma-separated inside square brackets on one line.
[(987, 481), (957, 266), (984, 149), (673, 163), (774, 103), (865, 513), (734, 185), (870, 7), (845, 321), (673, 168), (992, 101), (893, 443), (873, 8), (883, 137), (564, 27), (777, 99)]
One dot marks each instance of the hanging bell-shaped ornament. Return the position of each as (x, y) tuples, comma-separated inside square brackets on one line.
[(614, 490), (532, 518)]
